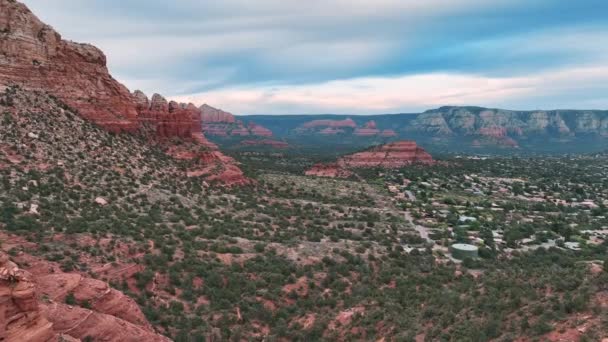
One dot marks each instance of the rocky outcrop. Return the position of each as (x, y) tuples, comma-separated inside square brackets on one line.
[(81, 323), (170, 119), (214, 115), (20, 315), (34, 56), (390, 156), (258, 130), (348, 123), (216, 122), (212, 165), (345, 127), (393, 155), (98, 295), (31, 309), (179, 120)]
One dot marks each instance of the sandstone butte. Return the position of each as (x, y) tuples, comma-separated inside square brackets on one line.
[(217, 122), (390, 156), (28, 313), (34, 56)]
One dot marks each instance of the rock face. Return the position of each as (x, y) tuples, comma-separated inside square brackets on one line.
[(216, 122), (348, 123), (212, 165), (390, 156), (30, 309), (505, 127), (20, 315), (259, 130), (34, 56), (170, 119), (214, 115)]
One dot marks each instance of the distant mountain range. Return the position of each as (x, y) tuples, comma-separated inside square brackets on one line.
[(450, 129)]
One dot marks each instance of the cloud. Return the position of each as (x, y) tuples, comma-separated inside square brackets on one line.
[(413, 93), (214, 47)]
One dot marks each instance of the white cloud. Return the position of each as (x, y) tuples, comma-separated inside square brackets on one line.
[(288, 56), (407, 93)]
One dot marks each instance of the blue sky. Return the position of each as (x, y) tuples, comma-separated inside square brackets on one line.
[(349, 56)]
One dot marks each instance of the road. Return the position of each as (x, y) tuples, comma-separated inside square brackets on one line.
[(423, 231)]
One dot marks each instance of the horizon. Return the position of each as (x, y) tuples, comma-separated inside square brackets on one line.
[(392, 57)]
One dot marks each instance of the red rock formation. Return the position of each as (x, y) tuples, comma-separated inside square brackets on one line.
[(335, 127), (170, 119), (25, 317), (393, 155), (216, 122), (368, 130), (214, 115), (79, 323), (240, 132), (370, 125), (20, 316), (213, 165), (494, 132), (388, 133), (265, 142), (348, 123), (259, 130), (101, 297), (34, 56), (390, 156)]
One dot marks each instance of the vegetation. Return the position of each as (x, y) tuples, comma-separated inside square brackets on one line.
[(310, 259)]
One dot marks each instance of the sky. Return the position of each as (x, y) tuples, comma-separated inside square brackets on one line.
[(349, 56)]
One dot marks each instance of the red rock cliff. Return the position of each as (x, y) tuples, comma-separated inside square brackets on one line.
[(217, 122), (170, 119), (34, 56), (214, 115), (31, 309)]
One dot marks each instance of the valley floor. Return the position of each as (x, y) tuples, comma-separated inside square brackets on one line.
[(299, 258)]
